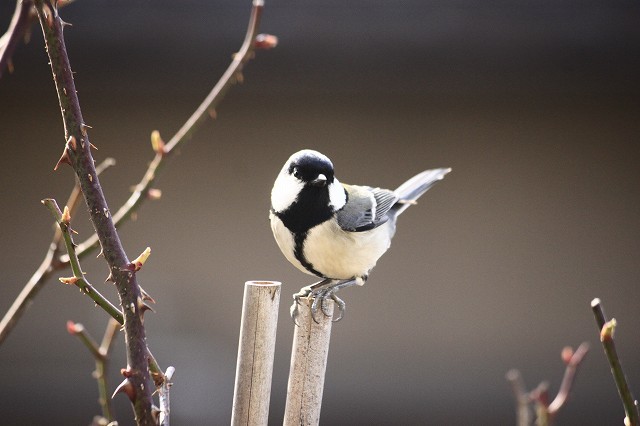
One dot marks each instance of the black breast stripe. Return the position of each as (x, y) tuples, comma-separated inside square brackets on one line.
[(298, 252)]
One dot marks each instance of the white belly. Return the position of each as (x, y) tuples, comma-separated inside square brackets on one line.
[(333, 252)]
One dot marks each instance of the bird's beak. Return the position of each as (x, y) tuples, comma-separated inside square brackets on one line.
[(320, 181)]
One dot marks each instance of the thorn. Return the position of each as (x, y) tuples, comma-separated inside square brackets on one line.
[(157, 143), (83, 129), (64, 158), (74, 328), (265, 41), (101, 252), (109, 278), (68, 280), (146, 296), (144, 307), (93, 146), (154, 194), (66, 216), (71, 143), (126, 387)]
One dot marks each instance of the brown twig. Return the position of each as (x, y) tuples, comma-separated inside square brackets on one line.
[(49, 265), (19, 28), (77, 153), (546, 411), (101, 356), (144, 189), (523, 399), (572, 360), (78, 279), (20, 24)]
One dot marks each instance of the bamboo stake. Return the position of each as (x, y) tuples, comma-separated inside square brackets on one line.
[(308, 366), (255, 353)]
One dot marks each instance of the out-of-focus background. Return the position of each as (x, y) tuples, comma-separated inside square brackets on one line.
[(535, 106)]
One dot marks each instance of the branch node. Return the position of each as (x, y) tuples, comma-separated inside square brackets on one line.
[(68, 280), (157, 143), (139, 261), (154, 194), (74, 328), (265, 41), (608, 330)]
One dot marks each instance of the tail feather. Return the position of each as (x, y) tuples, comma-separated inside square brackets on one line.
[(412, 189)]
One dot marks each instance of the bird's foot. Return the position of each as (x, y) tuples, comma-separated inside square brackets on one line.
[(294, 311), (320, 297), (320, 292)]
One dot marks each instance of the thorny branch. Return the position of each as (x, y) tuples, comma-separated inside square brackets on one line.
[(19, 29), (49, 265), (63, 220), (144, 190), (77, 153)]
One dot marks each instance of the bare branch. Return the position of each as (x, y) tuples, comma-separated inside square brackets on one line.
[(101, 356), (20, 23), (573, 361), (50, 264), (606, 329), (165, 405), (77, 150), (144, 189), (523, 413), (78, 278)]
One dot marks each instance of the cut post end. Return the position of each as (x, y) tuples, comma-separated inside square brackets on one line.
[(262, 283)]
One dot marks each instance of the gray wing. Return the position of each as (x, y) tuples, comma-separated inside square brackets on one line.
[(366, 208)]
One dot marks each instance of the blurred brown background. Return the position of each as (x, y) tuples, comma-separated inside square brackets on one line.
[(533, 104)]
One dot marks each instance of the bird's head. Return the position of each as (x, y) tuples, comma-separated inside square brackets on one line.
[(307, 175)]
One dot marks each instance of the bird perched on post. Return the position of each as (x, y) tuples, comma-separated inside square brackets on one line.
[(332, 230)]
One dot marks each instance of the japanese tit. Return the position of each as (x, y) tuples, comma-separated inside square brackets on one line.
[(332, 230)]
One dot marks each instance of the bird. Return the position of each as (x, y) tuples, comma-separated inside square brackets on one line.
[(332, 230)]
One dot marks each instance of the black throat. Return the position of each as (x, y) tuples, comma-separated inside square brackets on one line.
[(310, 209)]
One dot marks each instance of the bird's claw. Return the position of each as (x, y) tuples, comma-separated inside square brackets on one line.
[(319, 296), (294, 311)]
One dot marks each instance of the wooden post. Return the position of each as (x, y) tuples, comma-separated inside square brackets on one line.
[(255, 353), (308, 366)]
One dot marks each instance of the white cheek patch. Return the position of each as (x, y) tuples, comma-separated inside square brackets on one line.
[(337, 195), (285, 191)]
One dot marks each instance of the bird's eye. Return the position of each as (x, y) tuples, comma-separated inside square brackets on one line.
[(296, 173)]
